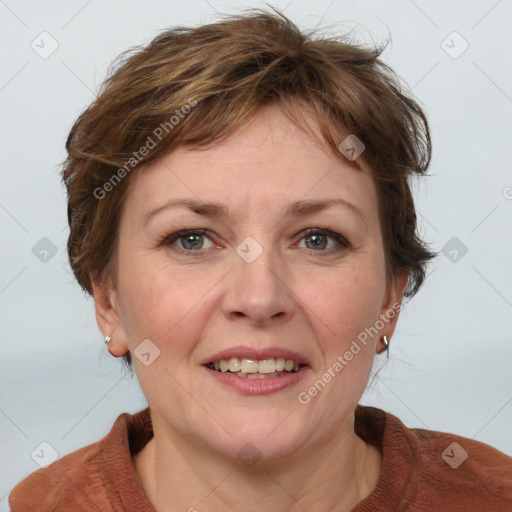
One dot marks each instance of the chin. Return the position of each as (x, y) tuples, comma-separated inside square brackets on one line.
[(258, 436)]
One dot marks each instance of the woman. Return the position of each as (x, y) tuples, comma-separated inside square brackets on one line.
[(240, 211)]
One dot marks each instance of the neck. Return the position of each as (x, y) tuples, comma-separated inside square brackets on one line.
[(176, 474)]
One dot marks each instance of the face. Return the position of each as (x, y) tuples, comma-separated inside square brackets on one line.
[(256, 278)]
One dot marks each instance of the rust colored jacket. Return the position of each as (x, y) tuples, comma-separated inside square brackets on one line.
[(422, 470)]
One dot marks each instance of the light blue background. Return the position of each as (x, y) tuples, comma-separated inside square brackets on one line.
[(451, 354)]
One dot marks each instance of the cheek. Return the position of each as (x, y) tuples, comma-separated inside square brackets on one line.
[(347, 303), (159, 302)]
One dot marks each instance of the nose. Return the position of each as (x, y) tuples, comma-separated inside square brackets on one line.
[(259, 292)]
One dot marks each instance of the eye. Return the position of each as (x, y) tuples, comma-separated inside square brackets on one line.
[(190, 240), (318, 240)]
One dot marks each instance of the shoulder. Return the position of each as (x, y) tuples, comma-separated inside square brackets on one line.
[(463, 463), (434, 470), (79, 480), (458, 471), (62, 484)]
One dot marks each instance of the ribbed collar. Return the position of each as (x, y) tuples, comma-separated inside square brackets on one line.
[(128, 435), (396, 484), (397, 481)]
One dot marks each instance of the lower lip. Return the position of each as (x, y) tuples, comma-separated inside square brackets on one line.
[(258, 386)]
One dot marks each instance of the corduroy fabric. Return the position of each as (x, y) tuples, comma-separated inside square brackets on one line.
[(414, 475)]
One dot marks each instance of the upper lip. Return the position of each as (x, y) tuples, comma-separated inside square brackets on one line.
[(244, 352)]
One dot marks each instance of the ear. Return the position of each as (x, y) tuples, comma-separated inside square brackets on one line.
[(108, 317), (392, 304)]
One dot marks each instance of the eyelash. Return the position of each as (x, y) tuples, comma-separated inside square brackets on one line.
[(343, 242)]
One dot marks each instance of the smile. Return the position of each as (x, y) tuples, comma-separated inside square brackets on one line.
[(256, 369)]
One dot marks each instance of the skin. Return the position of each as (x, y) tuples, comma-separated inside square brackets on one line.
[(313, 299)]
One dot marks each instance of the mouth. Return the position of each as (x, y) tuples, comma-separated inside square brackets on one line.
[(257, 371), (256, 368)]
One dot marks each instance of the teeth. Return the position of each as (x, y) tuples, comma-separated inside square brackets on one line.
[(289, 365), (249, 365), (267, 366), (262, 375), (234, 364), (256, 369)]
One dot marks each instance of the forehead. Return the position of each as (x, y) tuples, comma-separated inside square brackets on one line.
[(269, 160)]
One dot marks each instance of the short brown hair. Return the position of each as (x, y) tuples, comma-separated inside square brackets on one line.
[(211, 79)]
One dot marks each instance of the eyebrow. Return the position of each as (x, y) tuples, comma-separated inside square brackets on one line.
[(299, 208)]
